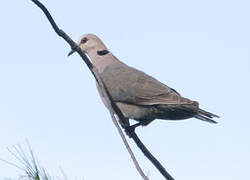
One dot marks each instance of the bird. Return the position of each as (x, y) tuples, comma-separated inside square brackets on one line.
[(138, 95)]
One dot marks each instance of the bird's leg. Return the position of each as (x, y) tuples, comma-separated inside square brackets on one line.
[(125, 123), (131, 129)]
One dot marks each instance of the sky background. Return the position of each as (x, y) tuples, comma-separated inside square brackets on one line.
[(199, 48)]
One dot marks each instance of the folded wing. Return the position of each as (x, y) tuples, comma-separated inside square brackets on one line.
[(131, 86)]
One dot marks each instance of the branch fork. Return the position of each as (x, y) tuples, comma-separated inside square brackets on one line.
[(113, 108)]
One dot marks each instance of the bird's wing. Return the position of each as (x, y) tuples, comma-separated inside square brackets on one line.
[(129, 85)]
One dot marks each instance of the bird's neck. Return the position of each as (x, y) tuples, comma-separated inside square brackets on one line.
[(101, 60)]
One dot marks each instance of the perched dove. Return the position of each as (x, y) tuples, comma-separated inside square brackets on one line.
[(138, 95)]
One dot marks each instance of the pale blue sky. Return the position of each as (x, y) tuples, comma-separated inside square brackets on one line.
[(199, 48)]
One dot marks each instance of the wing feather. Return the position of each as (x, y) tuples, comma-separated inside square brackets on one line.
[(131, 86)]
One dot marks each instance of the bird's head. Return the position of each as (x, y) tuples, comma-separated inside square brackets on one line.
[(90, 44)]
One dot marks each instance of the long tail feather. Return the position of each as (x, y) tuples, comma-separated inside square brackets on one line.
[(205, 113), (205, 116)]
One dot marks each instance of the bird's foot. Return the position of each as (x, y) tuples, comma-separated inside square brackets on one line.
[(130, 130)]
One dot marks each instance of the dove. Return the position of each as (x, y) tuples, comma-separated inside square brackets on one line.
[(139, 96)]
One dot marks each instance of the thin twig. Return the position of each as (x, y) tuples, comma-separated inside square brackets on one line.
[(94, 71), (113, 108), (147, 153)]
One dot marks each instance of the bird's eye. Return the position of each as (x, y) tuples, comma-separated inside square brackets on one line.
[(84, 40)]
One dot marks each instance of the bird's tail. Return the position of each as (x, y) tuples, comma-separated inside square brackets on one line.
[(205, 116)]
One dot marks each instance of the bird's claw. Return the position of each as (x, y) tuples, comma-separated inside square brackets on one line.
[(130, 130)]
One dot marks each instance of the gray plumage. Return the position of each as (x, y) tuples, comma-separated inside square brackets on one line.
[(138, 95)]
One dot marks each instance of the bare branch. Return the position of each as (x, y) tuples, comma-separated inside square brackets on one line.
[(113, 108)]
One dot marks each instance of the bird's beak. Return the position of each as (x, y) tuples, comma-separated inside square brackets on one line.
[(71, 52)]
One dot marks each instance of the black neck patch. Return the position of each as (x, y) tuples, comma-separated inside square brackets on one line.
[(102, 52)]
